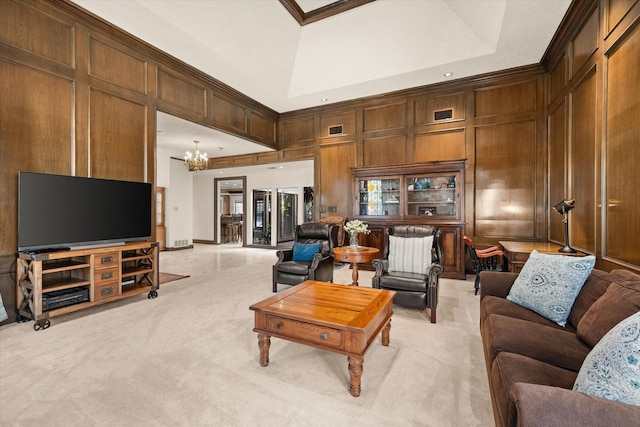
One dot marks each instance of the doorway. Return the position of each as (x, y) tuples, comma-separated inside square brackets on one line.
[(262, 217), (287, 213)]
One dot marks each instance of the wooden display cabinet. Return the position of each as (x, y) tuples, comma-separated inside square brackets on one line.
[(430, 193), (84, 277)]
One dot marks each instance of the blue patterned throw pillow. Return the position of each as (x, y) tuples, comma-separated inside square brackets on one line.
[(612, 368), (305, 251), (549, 284)]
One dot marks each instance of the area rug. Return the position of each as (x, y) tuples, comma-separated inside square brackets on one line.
[(169, 277)]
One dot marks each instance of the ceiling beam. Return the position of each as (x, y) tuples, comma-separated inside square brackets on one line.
[(322, 12)]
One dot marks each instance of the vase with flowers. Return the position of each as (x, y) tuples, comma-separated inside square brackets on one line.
[(355, 227)]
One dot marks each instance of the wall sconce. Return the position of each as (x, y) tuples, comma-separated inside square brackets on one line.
[(563, 208)]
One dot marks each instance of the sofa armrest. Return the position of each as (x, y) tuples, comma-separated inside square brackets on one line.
[(543, 405), (496, 283)]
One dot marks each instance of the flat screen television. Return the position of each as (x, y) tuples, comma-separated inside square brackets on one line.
[(58, 212)]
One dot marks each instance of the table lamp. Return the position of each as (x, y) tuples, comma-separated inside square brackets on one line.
[(563, 208)]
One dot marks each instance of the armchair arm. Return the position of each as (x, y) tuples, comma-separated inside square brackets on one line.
[(284, 255), (381, 266), (543, 405), (321, 268), (492, 251)]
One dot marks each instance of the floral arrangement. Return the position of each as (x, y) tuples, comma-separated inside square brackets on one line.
[(355, 226)]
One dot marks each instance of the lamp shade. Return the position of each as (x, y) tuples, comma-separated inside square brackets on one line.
[(565, 206)]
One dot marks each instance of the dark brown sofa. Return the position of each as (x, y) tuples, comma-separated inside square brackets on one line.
[(532, 363)]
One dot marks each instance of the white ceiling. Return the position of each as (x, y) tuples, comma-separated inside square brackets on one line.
[(257, 47)]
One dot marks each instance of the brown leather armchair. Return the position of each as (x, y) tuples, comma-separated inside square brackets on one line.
[(289, 272), (414, 290)]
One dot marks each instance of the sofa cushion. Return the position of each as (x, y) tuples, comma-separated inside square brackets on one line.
[(509, 368), (549, 284), (496, 305), (555, 346), (305, 251), (398, 281), (595, 286), (410, 254), (617, 303), (612, 369)]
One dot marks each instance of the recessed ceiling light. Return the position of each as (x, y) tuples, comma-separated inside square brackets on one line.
[(448, 74), (324, 99), (281, 167)]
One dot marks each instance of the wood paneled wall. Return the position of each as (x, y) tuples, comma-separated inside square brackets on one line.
[(594, 129), (497, 122), (79, 97)]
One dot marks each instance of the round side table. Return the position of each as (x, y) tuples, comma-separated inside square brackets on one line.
[(355, 255)]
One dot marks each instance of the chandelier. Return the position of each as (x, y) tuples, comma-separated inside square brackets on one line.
[(196, 162)]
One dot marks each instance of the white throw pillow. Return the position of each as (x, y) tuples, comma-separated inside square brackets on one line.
[(549, 284), (612, 368), (410, 254)]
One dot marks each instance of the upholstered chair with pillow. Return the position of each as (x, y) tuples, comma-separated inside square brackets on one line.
[(310, 258), (410, 265)]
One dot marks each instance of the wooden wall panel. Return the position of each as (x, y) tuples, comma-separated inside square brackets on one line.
[(301, 130), (424, 108), (53, 40), (181, 93), (117, 138), (36, 134), (558, 78), (585, 43), (583, 164), (514, 98), (617, 10), (557, 124), (442, 145), (384, 151), (229, 114), (383, 117), (335, 162), (262, 127), (623, 152), (347, 120), (115, 66), (505, 180)]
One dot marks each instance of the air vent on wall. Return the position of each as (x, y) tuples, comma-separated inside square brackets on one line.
[(335, 130), (443, 114)]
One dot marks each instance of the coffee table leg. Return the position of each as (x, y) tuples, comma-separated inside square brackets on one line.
[(264, 342), (385, 333), (355, 373)]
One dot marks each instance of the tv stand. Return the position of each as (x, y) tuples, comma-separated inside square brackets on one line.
[(101, 271)]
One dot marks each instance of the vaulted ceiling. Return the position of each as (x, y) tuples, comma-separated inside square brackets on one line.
[(290, 54)]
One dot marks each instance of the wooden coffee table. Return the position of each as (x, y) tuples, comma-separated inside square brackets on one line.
[(338, 318), (361, 254)]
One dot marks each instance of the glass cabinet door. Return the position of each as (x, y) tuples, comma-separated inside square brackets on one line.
[(378, 197), (433, 195)]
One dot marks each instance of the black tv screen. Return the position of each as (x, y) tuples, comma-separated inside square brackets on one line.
[(59, 212)]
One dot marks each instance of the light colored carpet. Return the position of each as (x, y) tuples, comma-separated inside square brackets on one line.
[(190, 358)]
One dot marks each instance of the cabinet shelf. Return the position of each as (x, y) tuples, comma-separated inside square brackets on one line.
[(63, 265), (49, 285)]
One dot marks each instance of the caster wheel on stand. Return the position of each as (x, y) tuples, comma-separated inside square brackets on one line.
[(41, 324), (152, 294)]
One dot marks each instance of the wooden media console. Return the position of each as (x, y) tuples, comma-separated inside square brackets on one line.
[(87, 277)]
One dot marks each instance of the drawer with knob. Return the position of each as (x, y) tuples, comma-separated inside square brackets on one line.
[(303, 331), (106, 290), (107, 260)]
